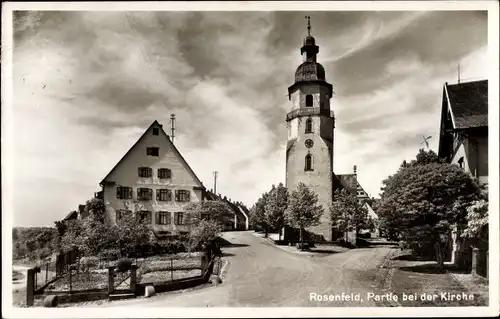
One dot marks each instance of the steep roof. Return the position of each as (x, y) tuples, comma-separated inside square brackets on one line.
[(155, 123), (468, 104)]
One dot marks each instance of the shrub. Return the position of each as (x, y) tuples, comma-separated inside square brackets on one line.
[(123, 265)]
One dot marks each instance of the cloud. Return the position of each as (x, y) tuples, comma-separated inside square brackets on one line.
[(87, 85)]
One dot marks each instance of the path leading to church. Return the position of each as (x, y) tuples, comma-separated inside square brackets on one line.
[(260, 274)]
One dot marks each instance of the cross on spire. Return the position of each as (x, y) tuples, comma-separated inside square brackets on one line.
[(308, 25)]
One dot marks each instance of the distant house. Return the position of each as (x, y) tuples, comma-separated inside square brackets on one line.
[(463, 138), (79, 214), (240, 211), (350, 182), (154, 182)]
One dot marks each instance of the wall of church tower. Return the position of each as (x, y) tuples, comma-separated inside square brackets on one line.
[(319, 179)]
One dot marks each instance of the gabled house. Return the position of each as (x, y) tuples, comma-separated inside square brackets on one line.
[(350, 182), (463, 138), (154, 182)]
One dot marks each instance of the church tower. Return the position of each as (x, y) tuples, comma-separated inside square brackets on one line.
[(310, 124)]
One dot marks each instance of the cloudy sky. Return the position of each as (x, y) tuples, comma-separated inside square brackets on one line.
[(87, 85)]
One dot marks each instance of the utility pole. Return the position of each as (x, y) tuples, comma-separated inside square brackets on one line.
[(459, 73), (215, 182), (172, 126)]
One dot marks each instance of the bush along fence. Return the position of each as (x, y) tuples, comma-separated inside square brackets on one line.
[(93, 278)]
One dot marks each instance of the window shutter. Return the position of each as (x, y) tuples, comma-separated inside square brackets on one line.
[(169, 218), (130, 193), (157, 194), (118, 192), (169, 173), (139, 172), (150, 193), (175, 218), (138, 193), (150, 172)]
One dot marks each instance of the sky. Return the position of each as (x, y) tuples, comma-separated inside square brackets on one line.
[(86, 85)]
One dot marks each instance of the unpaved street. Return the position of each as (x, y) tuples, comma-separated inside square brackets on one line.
[(261, 274)]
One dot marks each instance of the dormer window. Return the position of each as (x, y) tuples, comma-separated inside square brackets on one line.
[(153, 151), (309, 100), (156, 131)]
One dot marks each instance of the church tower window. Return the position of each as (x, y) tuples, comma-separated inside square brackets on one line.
[(309, 125), (309, 100), (309, 162)]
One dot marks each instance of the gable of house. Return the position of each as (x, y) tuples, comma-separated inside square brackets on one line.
[(143, 154)]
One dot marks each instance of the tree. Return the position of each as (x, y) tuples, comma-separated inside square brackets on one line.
[(96, 210), (258, 217), (347, 214), (424, 198), (212, 210), (303, 210), (277, 202), (204, 232), (130, 235), (478, 220)]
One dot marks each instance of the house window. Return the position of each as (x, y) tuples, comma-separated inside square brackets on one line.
[(145, 171), (144, 194), (156, 131), (164, 195), (461, 162), (309, 100), (122, 213), (153, 151), (179, 218), (144, 216), (164, 173), (309, 162), (124, 192), (309, 125), (182, 196), (163, 218)]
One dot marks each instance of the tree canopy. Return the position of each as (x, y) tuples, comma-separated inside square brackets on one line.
[(275, 207), (347, 213), (424, 198), (303, 209)]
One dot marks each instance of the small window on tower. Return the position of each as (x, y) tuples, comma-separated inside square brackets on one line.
[(156, 131), (309, 125), (309, 100), (309, 163)]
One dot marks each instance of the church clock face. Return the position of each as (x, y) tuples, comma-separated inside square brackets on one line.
[(309, 143)]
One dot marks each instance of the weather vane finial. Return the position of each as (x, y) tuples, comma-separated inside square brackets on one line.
[(308, 25)]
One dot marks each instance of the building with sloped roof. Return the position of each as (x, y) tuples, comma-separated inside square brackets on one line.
[(463, 138)]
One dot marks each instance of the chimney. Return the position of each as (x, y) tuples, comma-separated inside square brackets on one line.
[(355, 169)]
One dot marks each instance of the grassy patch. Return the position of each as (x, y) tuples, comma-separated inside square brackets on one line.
[(158, 276), (429, 286)]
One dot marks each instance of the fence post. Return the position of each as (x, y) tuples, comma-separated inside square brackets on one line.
[(111, 277), (133, 278), (487, 265), (70, 279), (475, 256), (30, 287), (171, 269), (47, 273)]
